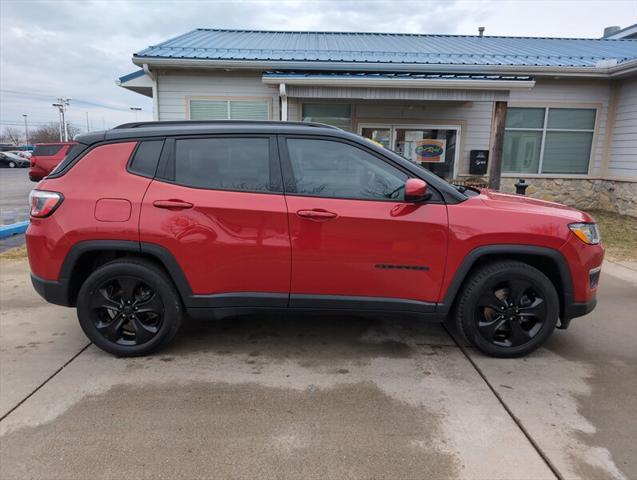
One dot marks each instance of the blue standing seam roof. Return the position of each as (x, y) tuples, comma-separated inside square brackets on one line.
[(131, 76), (398, 48)]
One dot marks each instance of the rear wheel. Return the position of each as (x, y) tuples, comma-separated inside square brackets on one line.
[(129, 307), (12, 164), (507, 309)]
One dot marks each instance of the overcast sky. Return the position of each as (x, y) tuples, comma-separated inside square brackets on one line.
[(78, 48)]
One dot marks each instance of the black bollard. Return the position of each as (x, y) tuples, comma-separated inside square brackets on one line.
[(521, 186)]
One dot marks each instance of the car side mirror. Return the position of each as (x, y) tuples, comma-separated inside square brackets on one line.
[(416, 190)]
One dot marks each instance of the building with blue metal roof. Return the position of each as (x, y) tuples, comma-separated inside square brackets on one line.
[(570, 104)]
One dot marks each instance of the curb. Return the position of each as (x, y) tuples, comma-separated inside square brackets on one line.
[(13, 229)]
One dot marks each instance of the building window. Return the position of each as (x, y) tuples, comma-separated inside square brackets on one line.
[(338, 115), (548, 140), (229, 110)]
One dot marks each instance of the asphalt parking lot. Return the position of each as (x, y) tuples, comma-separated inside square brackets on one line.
[(14, 194), (14, 202), (312, 397)]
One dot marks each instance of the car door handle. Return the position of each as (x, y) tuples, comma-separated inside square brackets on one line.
[(172, 204), (316, 214)]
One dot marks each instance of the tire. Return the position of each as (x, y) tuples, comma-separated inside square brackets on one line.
[(507, 309), (129, 307), (12, 165)]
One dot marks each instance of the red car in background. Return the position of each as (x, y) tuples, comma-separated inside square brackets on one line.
[(47, 156)]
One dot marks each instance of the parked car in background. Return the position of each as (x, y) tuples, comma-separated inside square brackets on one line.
[(45, 157), (7, 147), (148, 222), (12, 160), (22, 153)]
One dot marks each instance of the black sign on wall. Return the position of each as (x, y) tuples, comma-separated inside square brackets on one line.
[(478, 161)]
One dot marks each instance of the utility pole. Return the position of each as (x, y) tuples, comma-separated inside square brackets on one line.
[(26, 129), (62, 104), (88, 129), (59, 106)]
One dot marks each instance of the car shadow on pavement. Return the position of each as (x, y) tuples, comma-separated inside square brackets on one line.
[(292, 335)]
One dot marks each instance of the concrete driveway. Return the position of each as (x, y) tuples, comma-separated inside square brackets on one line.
[(312, 397)]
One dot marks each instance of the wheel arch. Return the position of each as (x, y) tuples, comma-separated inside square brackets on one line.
[(85, 257), (548, 260)]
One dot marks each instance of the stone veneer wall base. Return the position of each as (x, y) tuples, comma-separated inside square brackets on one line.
[(585, 194)]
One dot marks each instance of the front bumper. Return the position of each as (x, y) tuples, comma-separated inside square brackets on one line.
[(574, 310)]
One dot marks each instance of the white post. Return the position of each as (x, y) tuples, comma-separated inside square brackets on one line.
[(284, 102), (66, 127)]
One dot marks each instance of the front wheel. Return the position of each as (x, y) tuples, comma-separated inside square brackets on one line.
[(129, 307), (12, 164), (507, 309)]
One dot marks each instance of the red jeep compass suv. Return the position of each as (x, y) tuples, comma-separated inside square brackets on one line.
[(149, 222)]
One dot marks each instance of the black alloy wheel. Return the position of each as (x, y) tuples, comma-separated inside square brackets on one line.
[(511, 313), (507, 309), (129, 307), (127, 311)]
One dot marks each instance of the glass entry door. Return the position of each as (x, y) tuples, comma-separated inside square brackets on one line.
[(380, 135), (433, 147)]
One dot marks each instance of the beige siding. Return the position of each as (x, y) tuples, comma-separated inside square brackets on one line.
[(474, 117), (572, 93), (622, 150), (175, 86)]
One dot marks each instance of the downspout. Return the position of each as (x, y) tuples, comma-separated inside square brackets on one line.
[(284, 102), (153, 77)]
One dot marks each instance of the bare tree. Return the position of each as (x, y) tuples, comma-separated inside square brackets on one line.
[(12, 135), (50, 133)]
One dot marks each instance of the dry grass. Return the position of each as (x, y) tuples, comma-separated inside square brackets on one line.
[(619, 234), (17, 253)]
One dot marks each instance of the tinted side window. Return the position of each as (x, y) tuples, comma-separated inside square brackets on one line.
[(326, 168), (224, 163), (146, 157), (46, 150)]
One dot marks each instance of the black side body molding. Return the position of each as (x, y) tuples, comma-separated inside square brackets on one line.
[(216, 305)]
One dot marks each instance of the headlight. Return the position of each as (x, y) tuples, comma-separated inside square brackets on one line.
[(586, 232)]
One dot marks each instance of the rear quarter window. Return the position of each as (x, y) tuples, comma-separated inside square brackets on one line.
[(146, 157), (47, 150)]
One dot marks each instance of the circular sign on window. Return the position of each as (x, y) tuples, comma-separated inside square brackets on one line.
[(430, 150)]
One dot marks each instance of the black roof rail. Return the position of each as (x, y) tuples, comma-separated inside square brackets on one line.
[(173, 123)]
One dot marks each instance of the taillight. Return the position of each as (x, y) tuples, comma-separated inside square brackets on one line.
[(44, 203)]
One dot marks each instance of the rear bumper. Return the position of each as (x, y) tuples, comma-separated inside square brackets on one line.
[(52, 291)]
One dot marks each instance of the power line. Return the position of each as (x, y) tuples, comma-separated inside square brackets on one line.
[(16, 122)]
